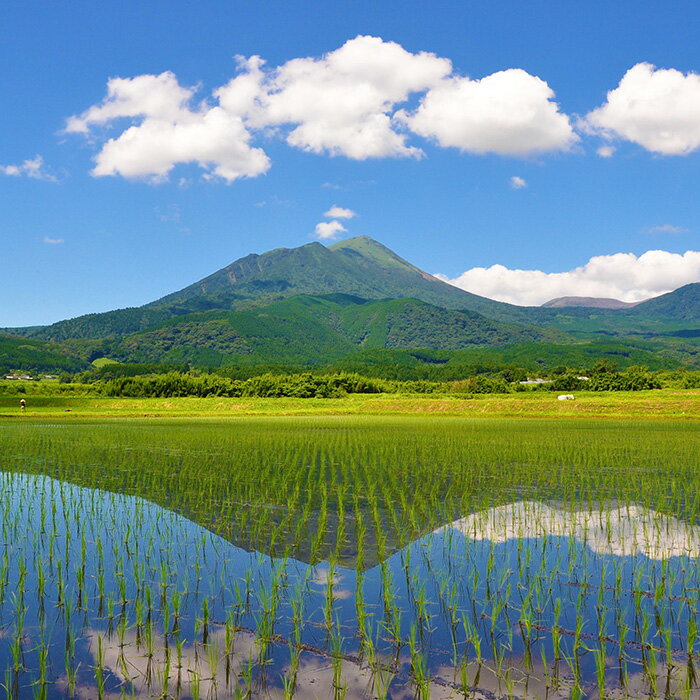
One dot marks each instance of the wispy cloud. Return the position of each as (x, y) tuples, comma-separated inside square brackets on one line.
[(517, 183), (32, 168), (667, 228), (53, 241)]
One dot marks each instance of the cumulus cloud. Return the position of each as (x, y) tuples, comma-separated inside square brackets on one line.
[(342, 103), (621, 276), (606, 151), (326, 230), (167, 130), (659, 109), (352, 102), (336, 212), (53, 241), (32, 167), (517, 183), (509, 113)]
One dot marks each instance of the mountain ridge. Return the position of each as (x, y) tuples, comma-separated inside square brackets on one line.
[(363, 268), (588, 302), (357, 266)]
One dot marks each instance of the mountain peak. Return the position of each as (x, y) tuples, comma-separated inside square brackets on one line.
[(588, 302), (364, 247)]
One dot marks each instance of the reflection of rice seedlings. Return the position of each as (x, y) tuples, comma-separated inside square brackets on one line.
[(104, 555), (99, 668)]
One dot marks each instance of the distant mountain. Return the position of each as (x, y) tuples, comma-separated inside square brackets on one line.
[(359, 266), (683, 304), (314, 329), (588, 302), (36, 356), (316, 304)]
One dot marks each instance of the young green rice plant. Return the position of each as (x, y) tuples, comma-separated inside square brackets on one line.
[(195, 685), (237, 479), (336, 647), (99, 669), (419, 669), (288, 687)]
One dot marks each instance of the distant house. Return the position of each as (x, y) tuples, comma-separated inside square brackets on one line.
[(536, 381)]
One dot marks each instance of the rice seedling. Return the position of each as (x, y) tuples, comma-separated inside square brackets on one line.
[(434, 553)]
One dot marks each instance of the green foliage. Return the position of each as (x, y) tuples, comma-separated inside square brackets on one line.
[(30, 355), (103, 362), (117, 369), (632, 379), (304, 385), (306, 330), (482, 385), (568, 381), (317, 305)]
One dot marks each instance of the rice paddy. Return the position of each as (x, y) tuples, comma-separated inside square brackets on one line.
[(349, 557)]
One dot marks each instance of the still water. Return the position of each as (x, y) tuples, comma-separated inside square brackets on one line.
[(111, 595)]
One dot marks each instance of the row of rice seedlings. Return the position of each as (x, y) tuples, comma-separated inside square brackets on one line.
[(390, 501)]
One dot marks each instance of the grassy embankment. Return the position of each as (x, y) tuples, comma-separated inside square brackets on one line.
[(667, 403)]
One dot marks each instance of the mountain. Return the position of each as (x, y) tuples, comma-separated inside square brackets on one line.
[(683, 304), (588, 302), (313, 329), (360, 267), (35, 355), (315, 304)]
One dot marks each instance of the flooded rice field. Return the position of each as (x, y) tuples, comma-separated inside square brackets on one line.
[(350, 558)]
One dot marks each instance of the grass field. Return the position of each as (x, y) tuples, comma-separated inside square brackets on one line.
[(667, 403)]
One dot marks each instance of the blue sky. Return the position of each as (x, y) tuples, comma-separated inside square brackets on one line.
[(478, 159)]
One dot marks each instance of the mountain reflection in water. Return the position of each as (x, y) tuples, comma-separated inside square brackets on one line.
[(113, 595)]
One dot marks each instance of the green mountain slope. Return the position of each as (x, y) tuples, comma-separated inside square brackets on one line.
[(315, 329), (359, 266), (363, 268), (682, 305), (675, 313), (35, 355)]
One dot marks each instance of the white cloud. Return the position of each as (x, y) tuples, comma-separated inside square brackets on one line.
[(517, 183), (166, 130), (667, 228), (156, 96), (659, 109), (32, 167), (349, 102), (621, 276), (336, 212), (606, 151), (52, 241), (329, 229), (509, 113), (340, 104)]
